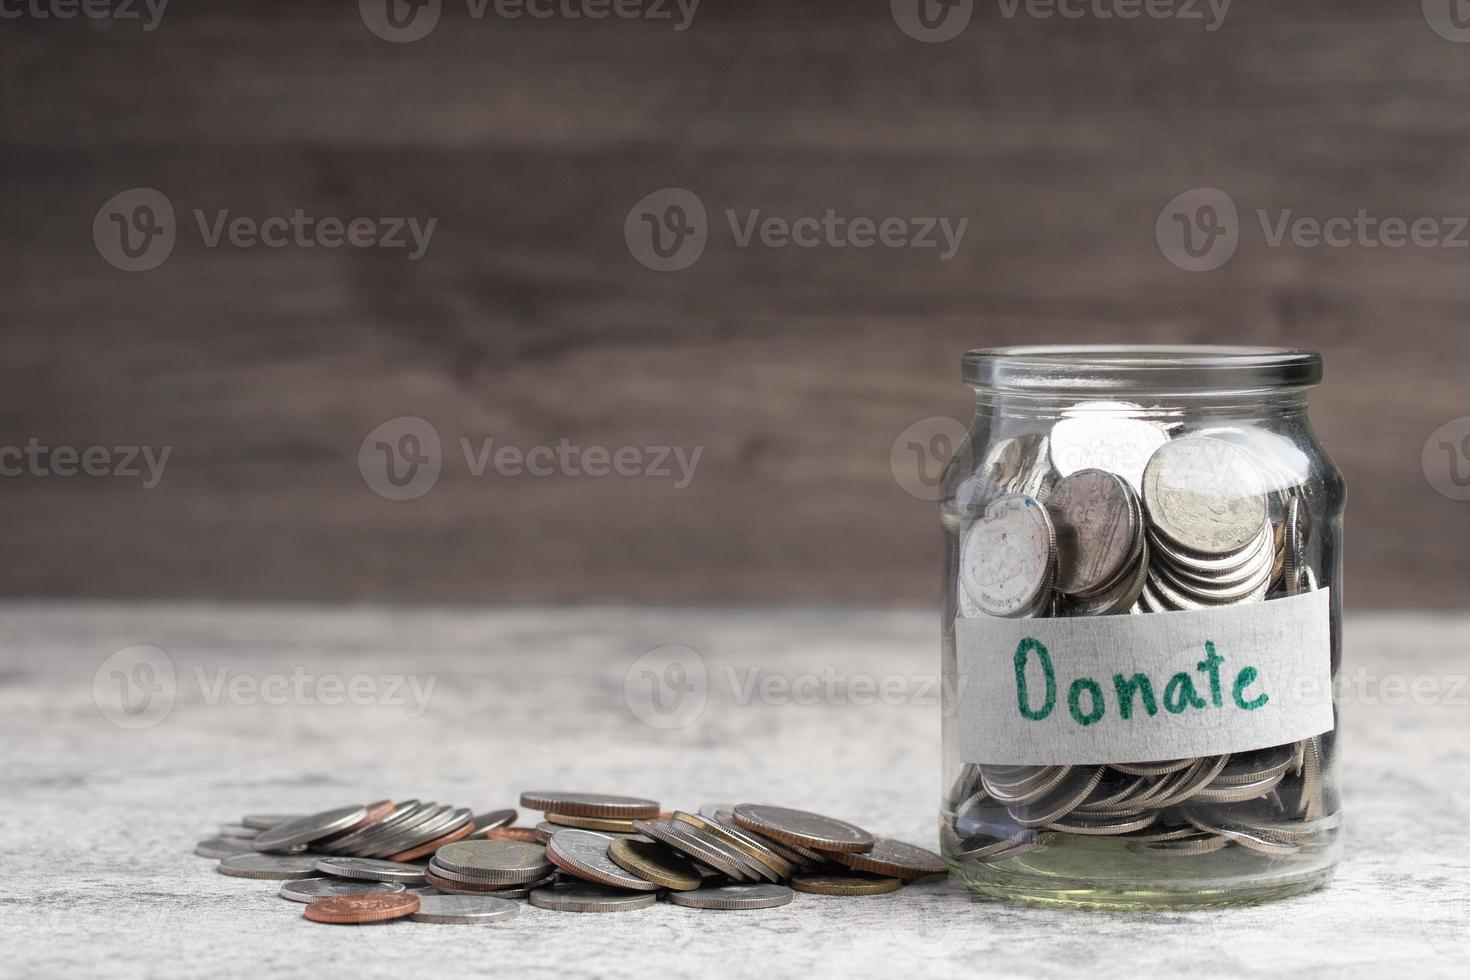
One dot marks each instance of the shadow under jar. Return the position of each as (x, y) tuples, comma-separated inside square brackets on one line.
[(1142, 626)]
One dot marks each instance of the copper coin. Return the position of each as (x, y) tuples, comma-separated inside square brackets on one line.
[(369, 907), (800, 827), (895, 859), (590, 805), (845, 884), (460, 833), (527, 835)]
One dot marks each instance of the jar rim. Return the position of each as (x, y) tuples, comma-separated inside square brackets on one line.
[(1124, 367)]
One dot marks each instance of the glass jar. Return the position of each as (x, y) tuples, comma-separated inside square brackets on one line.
[(1142, 627)]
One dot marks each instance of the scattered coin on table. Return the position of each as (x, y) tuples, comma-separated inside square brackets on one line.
[(439, 863), (359, 909)]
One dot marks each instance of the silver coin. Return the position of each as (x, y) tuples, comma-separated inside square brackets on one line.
[(446, 824), (584, 897), (989, 850), (304, 830), (1097, 530), (1119, 599), (464, 909), (1253, 840), (392, 840), (1103, 441), (371, 869), (1248, 767), (584, 853), (1189, 846), (703, 852), (277, 866), (265, 821), (805, 828), (1008, 558), (223, 847), (493, 821), (311, 889), (1238, 792), (711, 811), (751, 868), (396, 818), (734, 897), (752, 845), (239, 831), (1069, 795), (1015, 787), (1204, 495), (511, 891), (1103, 827), (796, 855), (507, 861)]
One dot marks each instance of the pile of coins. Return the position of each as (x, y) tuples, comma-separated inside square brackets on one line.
[(1113, 514), (593, 853)]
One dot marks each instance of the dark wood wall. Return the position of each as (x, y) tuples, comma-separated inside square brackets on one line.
[(795, 369)]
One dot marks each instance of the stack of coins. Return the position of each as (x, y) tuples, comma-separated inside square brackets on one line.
[(1210, 548), (725, 856), (1137, 519)]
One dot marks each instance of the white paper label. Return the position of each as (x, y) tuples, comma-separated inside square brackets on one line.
[(1157, 686)]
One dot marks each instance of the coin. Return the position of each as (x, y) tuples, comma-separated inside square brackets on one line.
[(655, 862), (750, 868), (742, 840), (223, 847), (447, 819), (801, 827), (464, 909), (895, 859), (527, 835), (304, 830), (276, 866), (459, 833), (1098, 530), (464, 885), (1008, 558), (734, 897), (678, 837), (1204, 495), (370, 869), (402, 813), (584, 897), (1068, 795), (494, 820), (357, 909), (584, 853), (851, 883), (265, 821), (311, 889), (1105, 441), (794, 854), (238, 830), (590, 805), (590, 823), (499, 860)]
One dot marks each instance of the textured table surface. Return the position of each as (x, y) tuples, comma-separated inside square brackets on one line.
[(101, 818)]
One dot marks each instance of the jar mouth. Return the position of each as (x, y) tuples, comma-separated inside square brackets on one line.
[(1184, 369)]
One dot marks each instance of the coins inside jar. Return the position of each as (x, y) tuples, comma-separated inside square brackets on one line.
[(1145, 521)]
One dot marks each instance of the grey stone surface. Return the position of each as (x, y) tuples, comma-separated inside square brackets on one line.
[(100, 820)]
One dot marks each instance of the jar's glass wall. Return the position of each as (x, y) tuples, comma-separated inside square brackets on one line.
[(1218, 829)]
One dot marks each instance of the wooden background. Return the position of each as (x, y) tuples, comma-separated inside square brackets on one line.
[(794, 370)]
